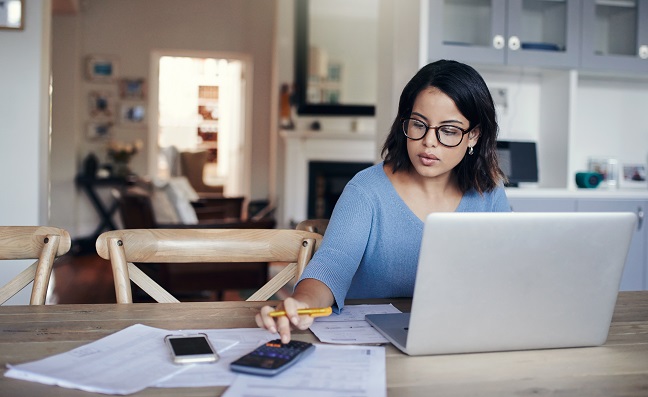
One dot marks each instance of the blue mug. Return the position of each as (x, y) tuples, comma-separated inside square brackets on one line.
[(588, 180)]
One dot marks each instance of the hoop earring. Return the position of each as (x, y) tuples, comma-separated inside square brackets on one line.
[(470, 150)]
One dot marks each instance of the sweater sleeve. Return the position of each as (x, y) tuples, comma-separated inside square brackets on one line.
[(336, 261), (500, 201)]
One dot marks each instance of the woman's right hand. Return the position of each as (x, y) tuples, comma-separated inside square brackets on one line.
[(284, 324)]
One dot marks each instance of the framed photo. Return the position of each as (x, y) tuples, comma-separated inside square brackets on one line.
[(102, 105), (132, 88), (99, 130), (634, 176), (102, 68), (608, 167), (133, 113), (12, 14)]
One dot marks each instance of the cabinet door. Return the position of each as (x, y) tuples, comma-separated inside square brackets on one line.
[(615, 36), (543, 33), (542, 204), (471, 31), (635, 266)]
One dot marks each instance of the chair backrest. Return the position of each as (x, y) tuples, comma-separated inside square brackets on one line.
[(32, 242), (313, 225), (124, 247)]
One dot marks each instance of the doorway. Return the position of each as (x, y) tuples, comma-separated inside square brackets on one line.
[(199, 103)]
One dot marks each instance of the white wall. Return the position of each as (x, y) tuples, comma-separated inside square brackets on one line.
[(65, 113), (24, 114), (610, 121), (131, 30)]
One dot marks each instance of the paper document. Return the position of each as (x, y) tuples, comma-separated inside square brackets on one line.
[(350, 327), (133, 359), (122, 363), (344, 371)]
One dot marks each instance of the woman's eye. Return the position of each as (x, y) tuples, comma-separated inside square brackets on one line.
[(419, 125), (449, 130)]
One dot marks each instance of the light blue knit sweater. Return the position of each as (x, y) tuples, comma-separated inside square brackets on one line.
[(371, 245)]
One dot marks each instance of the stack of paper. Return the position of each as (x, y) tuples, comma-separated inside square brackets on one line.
[(135, 358)]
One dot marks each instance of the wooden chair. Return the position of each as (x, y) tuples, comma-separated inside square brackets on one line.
[(123, 247), (32, 242), (313, 225), (193, 279)]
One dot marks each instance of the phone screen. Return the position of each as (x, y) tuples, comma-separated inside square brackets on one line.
[(190, 346), (191, 349)]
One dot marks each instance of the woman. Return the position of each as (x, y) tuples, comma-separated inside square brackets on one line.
[(440, 156)]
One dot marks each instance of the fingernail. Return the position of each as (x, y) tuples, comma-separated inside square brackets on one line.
[(295, 320), (273, 330)]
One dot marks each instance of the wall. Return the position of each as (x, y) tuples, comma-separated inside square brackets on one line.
[(609, 121), (24, 111), (131, 30)]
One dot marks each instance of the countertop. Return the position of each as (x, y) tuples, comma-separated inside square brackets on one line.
[(533, 192)]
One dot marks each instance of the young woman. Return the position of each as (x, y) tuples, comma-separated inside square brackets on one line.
[(440, 156)]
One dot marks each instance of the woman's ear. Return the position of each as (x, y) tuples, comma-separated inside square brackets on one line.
[(473, 136)]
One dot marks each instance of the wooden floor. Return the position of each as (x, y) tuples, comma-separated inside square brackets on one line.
[(87, 278)]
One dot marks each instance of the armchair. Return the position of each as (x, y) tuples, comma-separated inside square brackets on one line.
[(192, 165)]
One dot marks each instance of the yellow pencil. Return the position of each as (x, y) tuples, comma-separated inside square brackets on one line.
[(314, 312)]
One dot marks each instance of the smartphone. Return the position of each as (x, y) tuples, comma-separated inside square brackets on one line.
[(193, 348)]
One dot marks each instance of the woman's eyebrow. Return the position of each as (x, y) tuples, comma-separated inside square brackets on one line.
[(420, 115), (452, 121)]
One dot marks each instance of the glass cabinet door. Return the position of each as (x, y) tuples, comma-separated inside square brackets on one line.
[(515, 32), (467, 30), (615, 35), (543, 33)]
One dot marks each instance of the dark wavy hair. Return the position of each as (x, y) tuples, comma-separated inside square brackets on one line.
[(465, 86)]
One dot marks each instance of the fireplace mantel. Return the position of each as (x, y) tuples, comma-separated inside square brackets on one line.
[(305, 146)]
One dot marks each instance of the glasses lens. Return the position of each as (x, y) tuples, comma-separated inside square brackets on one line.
[(414, 129), (450, 135)]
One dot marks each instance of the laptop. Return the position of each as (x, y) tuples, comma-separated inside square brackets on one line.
[(512, 281)]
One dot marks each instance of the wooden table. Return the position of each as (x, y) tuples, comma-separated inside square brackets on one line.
[(620, 367)]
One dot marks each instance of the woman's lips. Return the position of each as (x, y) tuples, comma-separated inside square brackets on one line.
[(428, 159)]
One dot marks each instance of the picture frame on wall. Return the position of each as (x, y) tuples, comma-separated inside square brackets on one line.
[(132, 88), (133, 113), (99, 130), (633, 175), (12, 14), (102, 68), (102, 105)]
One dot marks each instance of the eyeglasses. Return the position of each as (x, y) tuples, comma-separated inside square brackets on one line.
[(447, 135)]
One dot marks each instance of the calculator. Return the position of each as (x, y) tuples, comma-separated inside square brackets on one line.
[(272, 358)]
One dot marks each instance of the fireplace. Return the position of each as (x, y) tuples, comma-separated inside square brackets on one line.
[(326, 180), (345, 153)]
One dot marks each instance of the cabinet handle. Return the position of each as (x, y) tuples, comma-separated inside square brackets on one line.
[(498, 42), (640, 218), (643, 51), (514, 43)]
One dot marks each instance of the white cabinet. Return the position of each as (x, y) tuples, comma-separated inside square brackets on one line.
[(635, 275), (543, 205)]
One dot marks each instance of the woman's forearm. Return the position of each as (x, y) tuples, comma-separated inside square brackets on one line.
[(314, 293)]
